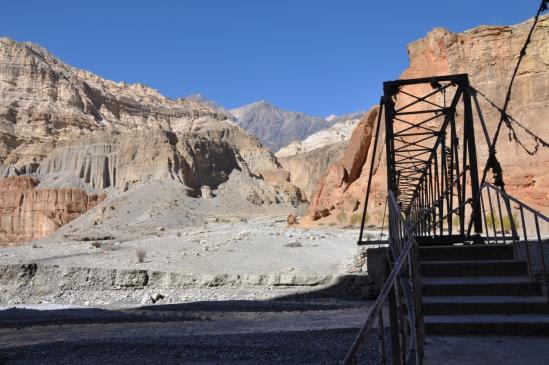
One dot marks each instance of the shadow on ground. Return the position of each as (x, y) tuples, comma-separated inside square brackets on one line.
[(311, 328)]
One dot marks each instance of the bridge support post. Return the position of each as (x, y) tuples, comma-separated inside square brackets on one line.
[(393, 321), (469, 132)]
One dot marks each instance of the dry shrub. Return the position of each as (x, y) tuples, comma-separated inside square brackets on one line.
[(140, 253), (507, 226), (493, 220), (356, 219), (341, 217), (455, 221)]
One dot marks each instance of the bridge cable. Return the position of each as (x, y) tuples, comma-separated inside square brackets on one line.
[(492, 160), (512, 133)]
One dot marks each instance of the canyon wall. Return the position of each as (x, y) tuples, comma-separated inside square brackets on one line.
[(27, 213), (307, 160), (307, 168), (70, 129)]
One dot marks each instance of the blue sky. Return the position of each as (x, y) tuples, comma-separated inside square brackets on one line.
[(315, 56)]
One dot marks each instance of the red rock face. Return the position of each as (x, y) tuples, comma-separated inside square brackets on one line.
[(343, 173), (27, 213), (488, 54)]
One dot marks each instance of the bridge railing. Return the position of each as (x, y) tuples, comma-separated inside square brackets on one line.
[(401, 294), (507, 220)]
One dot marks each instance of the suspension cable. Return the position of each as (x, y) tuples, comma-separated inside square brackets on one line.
[(492, 161), (513, 135)]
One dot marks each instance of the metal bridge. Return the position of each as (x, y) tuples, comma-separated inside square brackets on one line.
[(458, 244)]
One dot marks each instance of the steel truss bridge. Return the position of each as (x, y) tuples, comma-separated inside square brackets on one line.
[(437, 195), (446, 219)]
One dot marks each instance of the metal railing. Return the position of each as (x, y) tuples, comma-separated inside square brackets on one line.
[(402, 293), (507, 220)]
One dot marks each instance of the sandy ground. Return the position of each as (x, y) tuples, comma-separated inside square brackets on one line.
[(204, 324), (225, 258), (225, 245)]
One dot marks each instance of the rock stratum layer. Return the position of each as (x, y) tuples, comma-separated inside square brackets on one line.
[(27, 213), (72, 129), (488, 54)]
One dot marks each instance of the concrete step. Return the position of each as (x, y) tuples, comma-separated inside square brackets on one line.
[(475, 286), (482, 324), (450, 305), (473, 268), (466, 252), (440, 240)]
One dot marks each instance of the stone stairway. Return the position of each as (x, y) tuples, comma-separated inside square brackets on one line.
[(480, 289)]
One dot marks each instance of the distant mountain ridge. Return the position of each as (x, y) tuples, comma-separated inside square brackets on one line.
[(275, 127), (340, 130)]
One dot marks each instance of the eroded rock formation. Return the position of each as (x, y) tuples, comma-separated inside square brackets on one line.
[(306, 168), (28, 213), (332, 191), (72, 129)]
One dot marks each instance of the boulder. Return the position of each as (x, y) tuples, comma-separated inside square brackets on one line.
[(292, 220)]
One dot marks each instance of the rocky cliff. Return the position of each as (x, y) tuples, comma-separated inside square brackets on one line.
[(306, 168), (27, 213), (43, 100), (71, 129), (488, 54)]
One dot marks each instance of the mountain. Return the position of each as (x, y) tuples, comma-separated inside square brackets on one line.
[(79, 136), (307, 160), (330, 118), (340, 130), (275, 127), (488, 54)]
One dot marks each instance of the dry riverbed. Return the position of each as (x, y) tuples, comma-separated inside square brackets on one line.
[(234, 291), (224, 259)]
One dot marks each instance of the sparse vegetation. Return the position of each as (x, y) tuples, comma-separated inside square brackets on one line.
[(507, 226), (455, 221), (140, 253), (341, 217), (492, 219), (356, 219)]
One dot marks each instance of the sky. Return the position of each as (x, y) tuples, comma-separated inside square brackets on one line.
[(315, 56)]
